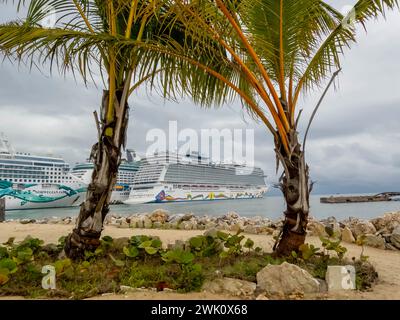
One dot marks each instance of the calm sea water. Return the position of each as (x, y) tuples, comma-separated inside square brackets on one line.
[(270, 206)]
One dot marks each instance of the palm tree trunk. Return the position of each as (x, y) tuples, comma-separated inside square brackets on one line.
[(106, 156), (295, 187)]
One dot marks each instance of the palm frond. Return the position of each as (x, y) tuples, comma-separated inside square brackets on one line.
[(327, 57)]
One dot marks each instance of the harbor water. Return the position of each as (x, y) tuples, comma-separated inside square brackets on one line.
[(269, 206)]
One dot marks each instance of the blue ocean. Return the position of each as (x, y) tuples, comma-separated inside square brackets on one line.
[(270, 206)]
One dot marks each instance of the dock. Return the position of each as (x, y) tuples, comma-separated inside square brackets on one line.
[(384, 196)]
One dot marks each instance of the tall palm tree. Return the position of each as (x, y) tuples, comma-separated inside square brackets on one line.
[(90, 36), (274, 51), (266, 52)]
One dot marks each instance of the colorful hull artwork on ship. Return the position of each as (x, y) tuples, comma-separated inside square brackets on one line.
[(26, 194), (163, 197)]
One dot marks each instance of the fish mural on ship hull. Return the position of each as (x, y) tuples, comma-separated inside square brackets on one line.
[(30, 196), (163, 197)]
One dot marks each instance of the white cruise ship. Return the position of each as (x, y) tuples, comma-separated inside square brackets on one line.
[(169, 177), (126, 174), (31, 181)]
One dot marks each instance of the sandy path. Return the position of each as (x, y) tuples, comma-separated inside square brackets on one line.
[(386, 262)]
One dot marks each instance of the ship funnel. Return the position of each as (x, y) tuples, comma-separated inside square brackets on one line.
[(130, 155), (5, 146)]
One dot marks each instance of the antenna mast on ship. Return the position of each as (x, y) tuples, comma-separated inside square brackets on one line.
[(5, 146)]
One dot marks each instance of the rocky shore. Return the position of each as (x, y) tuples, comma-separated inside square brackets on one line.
[(382, 232)]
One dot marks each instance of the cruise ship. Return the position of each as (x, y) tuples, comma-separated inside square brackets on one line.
[(126, 174), (170, 177), (32, 181)]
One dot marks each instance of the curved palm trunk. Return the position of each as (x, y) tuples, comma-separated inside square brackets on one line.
[(106, 155), (295, 187)]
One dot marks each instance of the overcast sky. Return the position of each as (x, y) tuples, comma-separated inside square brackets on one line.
[(354, 144)]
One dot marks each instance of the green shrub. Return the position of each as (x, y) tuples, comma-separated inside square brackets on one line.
[(142, 262)]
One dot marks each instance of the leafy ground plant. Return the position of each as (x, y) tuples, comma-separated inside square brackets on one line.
[(141, 261)]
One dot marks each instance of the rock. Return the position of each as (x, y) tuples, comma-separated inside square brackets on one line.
[(120, 243), (211, 233), (186, 217), (135, 222), (123, 224), (262, 297), (234, 287), (231, 216), (389, 221), (341, 278), (108, 219), (107, 294), (26, 221), (210, 225), (395, 237), (127, 289), (332, 225), (278, 223), (173, 225), (347, 235), (316, 228), (147, 223), (323, 286), (360, 227), (236, 227), (266, 222), (157, 225), (201, 226), (276, 233), (374, 241), (250, 229), (54, 220), (286, 279), (386, 236), (159, 215), (112, 221), (296, 296), (187, 225), (389, 246), (67, 220), (203, 220), (257, 219), (166, 225), (222, 225), (175, 218)]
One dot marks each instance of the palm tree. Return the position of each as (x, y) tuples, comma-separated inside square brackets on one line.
[(274, 51), (92, 36), (266, 52)]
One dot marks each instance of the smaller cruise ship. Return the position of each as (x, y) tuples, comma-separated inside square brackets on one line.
[(31, 181), (169, 177), (126, 175)]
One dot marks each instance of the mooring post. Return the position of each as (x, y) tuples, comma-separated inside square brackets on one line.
[(2, 209)]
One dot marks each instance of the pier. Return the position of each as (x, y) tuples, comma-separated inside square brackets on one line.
[(384, 196)]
